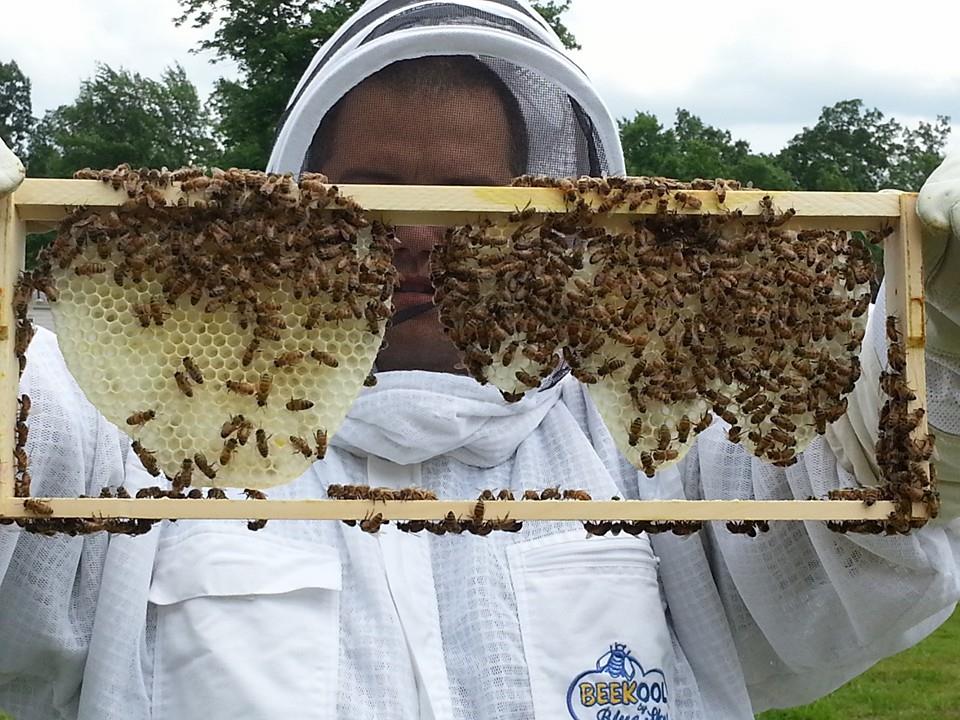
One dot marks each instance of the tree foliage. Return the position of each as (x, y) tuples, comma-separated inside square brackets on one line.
[(122, 117), (692, 149), (16, 111), (272, 43), (853, 147)]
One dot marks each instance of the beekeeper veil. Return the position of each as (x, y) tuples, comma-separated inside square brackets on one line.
[(567, 130)]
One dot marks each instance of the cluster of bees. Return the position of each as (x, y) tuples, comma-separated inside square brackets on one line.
[(670, 320), (249, 294), (902, 457), (478, 524)]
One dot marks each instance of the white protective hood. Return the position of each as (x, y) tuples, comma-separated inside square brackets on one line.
[(571, 132)]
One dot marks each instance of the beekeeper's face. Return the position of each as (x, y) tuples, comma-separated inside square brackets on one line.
[(427, 137)]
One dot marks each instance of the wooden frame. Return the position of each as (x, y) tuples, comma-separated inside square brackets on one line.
[(37, 204)]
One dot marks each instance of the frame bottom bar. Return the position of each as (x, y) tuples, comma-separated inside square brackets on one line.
[(678, 510)]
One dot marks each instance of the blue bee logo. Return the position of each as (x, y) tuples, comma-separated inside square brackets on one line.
[(618, 688)]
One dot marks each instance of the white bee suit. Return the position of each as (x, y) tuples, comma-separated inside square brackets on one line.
[(207, 620)]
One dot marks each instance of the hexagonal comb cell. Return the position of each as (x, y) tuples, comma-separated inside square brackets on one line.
[(233, 330)]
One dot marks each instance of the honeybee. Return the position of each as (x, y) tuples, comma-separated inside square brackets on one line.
[(451, 524), (142, 313), (269, 333), (371, 380), (663, 437), (262, 447), (320, 437), (192, 370), (90, 268), (147, 458), (297, 404), (636, 428), (22, 430), (241, 388), (576, 495), (601, 527), (783, 423), (324, 358), (734, 434), (229, 449), (183, 384), (610, 366), (301, 446), (288, 359), (372, 523), (183, 478), (24, 411), (478, 513), (232, 425), (705, 421), (778, 435), (683, 429), (141, 418), (37, 507), (552, 493), (216, 494), (250, 351), (204, 466)]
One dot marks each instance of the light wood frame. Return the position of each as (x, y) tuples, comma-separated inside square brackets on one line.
[(38, 204)]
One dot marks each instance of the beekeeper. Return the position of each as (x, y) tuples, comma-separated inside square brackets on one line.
[(206, 620)]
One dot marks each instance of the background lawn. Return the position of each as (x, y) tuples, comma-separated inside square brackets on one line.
[(922, 683)]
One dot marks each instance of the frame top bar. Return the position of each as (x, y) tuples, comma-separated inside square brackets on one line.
[(43, 200)]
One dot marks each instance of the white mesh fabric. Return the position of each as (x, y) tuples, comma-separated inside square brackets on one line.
[(570, 130), (774, 620)]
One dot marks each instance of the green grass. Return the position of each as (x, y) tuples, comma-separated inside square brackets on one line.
[(922, 683)]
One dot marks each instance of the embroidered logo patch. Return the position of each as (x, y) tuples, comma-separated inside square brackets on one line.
[(618, 688)]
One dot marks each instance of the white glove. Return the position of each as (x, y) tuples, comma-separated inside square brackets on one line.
[(11, 170), (939, 209)]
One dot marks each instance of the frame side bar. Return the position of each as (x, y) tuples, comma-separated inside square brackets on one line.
[(12, 235), (903, 270)]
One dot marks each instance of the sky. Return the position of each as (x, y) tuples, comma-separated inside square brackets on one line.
[(762, 70)]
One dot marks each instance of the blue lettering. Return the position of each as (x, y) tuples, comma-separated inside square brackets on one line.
[(656, 693)]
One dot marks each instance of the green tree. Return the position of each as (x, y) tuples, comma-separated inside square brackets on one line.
[(122, 117), (692, 149), (16, 111), (272, 43), (853, 147)]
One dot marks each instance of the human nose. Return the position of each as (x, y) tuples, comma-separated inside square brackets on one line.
[(412, 255)]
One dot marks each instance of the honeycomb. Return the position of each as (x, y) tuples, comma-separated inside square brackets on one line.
[(228, 335), (668, 321)]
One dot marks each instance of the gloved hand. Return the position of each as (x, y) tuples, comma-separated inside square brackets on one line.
[(11, 170), (939, 209)]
